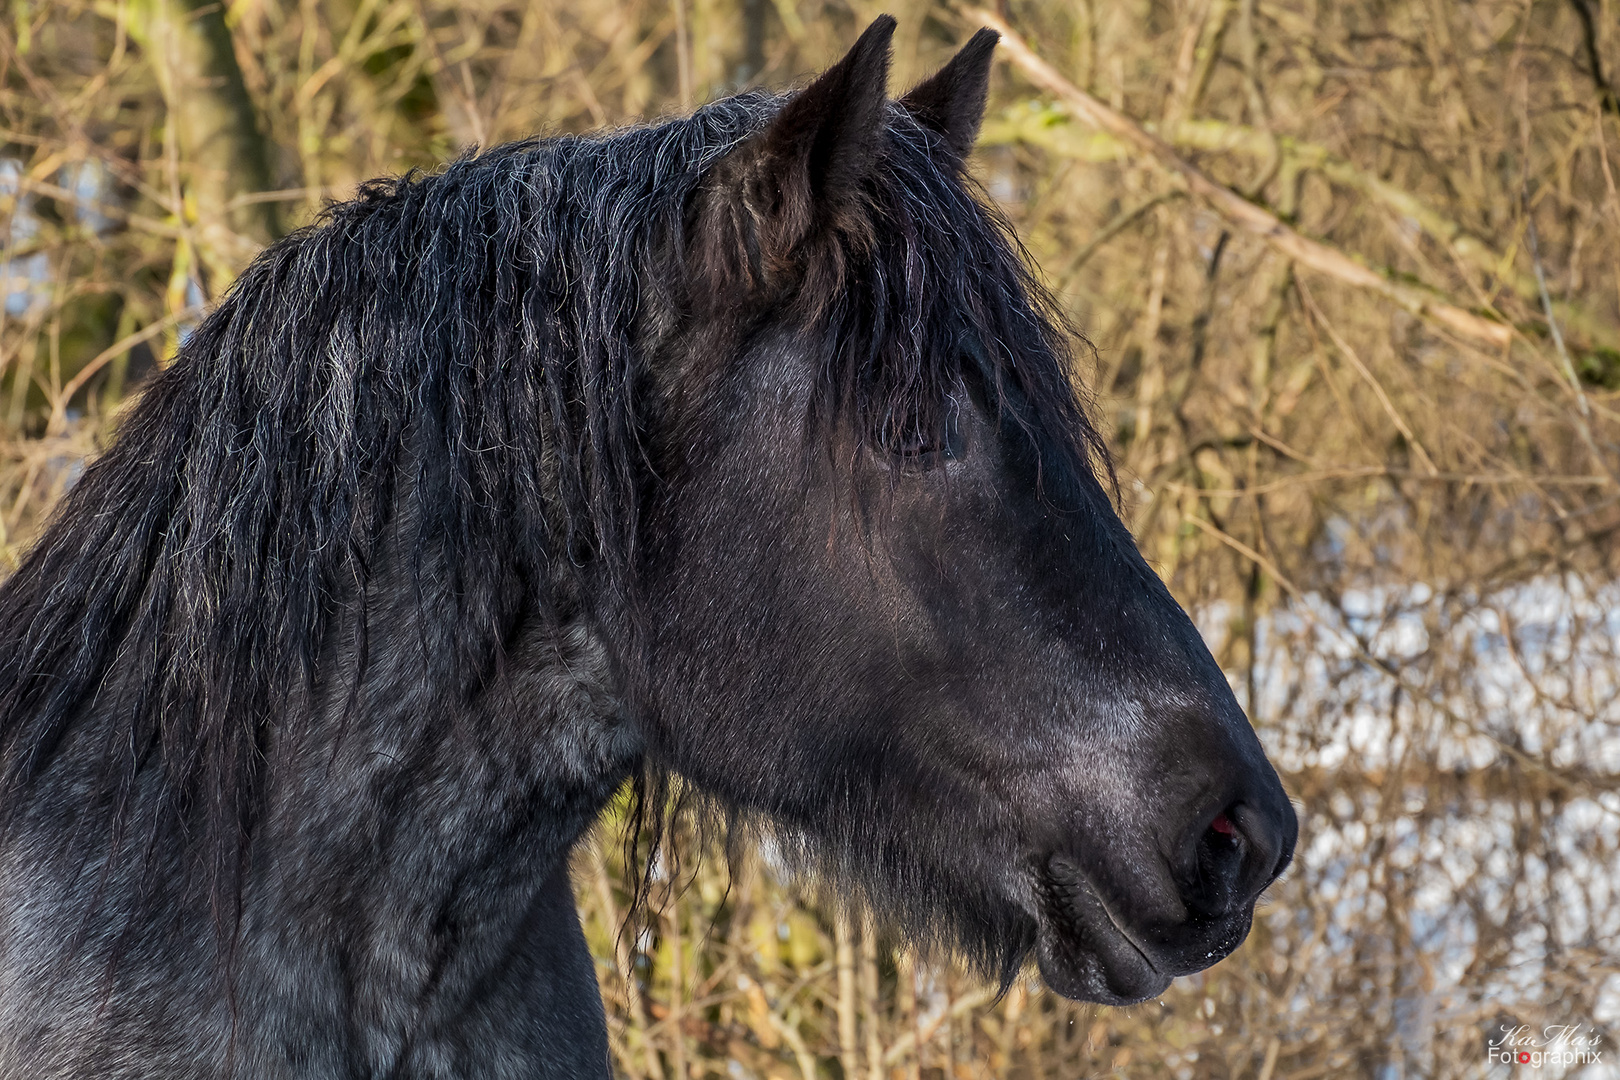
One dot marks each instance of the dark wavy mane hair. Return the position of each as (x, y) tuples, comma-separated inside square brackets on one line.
[(466, 356)]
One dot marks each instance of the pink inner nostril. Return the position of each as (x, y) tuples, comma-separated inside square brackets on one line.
[(1222, 824)]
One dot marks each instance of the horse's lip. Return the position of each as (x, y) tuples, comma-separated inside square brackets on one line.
[(1083, 949)]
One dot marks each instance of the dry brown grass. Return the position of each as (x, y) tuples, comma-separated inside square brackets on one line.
[(1365, 445)]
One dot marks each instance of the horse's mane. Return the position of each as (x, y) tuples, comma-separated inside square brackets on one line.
[(459, 347)]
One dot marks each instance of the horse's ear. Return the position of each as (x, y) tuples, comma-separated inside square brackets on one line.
[(820, 146), (802, 176), (951, 101)]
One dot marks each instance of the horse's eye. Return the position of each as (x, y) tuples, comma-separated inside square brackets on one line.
[(925, 446)]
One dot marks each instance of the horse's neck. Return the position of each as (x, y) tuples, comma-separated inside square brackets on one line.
[(404, 850), (410, 856), (406, 760), (402, 780)]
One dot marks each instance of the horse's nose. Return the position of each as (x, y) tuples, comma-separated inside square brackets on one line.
[(1238, 852)]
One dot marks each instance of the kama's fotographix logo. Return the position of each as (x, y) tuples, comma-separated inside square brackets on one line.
[(1557, 1044)]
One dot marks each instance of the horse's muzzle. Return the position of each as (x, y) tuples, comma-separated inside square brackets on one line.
[(1093, 945)]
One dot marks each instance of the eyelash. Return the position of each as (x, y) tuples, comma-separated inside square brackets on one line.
[(913, 447)]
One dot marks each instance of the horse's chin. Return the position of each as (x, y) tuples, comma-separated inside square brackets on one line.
[(1081, 950)]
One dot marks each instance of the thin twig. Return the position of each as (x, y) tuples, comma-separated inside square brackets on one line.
[(1357, 472), (1254, 219), (108, 210), (58, 420), (1583, 422), (910, 1040), (1118, 224), (1367, 376), (1378, 663)]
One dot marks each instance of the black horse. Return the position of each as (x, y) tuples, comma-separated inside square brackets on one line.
[(741, 447)]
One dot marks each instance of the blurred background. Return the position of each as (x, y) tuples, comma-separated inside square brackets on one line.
[(1352, 275)]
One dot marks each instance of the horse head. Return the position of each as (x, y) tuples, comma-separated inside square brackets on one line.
[(892, 607)]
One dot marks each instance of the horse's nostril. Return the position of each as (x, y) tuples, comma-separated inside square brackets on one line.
[(1219, 857), (1222, 834)]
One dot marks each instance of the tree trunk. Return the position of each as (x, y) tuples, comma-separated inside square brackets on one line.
[(222, 152)]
